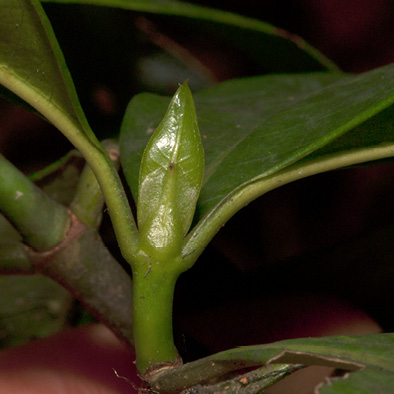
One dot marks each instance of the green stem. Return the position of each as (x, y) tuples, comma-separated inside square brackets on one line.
[(88, 201), (153, 292), (55, 167), (13, 258), (85, 267), (118, 206), (86, 143), (42, 221)]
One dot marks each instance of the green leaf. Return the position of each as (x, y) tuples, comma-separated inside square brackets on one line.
[(370, 358), (170, 177), (253, 382), (31, 307), (14, 99), (32, 66), (270, 133), (275, 49), (227, 114), (255, 130)]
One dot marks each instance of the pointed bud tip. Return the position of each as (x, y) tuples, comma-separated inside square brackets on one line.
[(184, 86)]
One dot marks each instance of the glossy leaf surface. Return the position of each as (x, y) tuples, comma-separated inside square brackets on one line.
[(254, 128), (170, 176), (274, 49)]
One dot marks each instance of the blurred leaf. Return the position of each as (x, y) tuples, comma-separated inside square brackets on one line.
[(31, 307), (369, 358), (59, 180), (277, 50)]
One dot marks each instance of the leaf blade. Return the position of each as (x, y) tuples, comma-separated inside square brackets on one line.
[(314, 121), (363, 354), (278, 50), (44, 82)]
